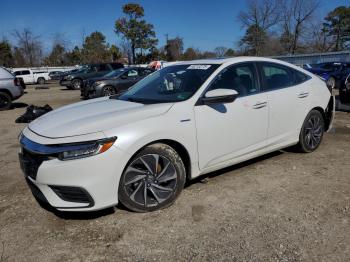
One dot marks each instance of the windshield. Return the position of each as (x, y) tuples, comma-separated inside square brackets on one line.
[(82, 69), (115, 72), (170, 84)]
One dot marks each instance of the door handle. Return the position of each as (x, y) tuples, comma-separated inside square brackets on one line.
[(303, 94), (259, 105)]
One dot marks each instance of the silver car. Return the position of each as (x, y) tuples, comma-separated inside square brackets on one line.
[(11, 88)]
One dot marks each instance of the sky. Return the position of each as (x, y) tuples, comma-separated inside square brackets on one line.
[(203, 24)]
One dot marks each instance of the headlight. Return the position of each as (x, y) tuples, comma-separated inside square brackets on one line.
[(70, 77), (75, 151), (97, 83)]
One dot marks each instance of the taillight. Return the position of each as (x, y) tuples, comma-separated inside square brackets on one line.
[(16, 82)]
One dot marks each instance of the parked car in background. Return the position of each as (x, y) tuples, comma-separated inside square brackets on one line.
[(11, 88), (114, 82), (56, 75), (157, 65), (188, 119), (32, 77), (344, 90), (331, 72), (74, 80)]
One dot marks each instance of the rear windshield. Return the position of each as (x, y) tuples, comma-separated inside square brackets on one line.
[(4, 73)]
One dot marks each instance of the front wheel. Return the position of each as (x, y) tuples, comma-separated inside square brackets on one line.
[(153, 179), (77, 84), (311, 133), (108, 91)]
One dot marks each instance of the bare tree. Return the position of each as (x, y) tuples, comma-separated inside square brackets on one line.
[(258, 19), (319, 37), (30, 46), (220, 51), (296, 15)]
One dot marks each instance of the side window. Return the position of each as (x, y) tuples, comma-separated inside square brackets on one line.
[(17, 73), (92, 69), (116, 66), (300, 77), (133, 73), (26, 72), (241, 78), (276, 76), (103, 67), (144, 72)]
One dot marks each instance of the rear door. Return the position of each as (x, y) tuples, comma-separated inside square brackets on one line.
[(288, 94)]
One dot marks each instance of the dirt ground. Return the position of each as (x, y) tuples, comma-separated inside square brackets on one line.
[(281, 207)]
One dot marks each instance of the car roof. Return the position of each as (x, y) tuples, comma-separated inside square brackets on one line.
[(232, 60)]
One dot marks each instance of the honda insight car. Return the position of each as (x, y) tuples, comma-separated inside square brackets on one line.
[(178, 123)]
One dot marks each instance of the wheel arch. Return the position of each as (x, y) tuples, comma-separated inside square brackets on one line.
[(327, 115), (7, 92), (177, 146)]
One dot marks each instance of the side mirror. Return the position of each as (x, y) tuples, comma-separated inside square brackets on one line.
[(123, 77), (219, 96)]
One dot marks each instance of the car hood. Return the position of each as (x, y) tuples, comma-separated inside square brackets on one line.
[(93, 116)]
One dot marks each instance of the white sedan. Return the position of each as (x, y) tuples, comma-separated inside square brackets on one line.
[(186, 120)]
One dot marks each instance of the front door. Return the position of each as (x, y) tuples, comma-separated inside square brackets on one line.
[(232, 130)]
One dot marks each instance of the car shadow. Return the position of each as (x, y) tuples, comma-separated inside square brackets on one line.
[(235, 167), (18, 105), (109, 211), (67, 89)]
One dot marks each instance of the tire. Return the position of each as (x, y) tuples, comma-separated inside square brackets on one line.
[(331, 83), (108, 91), (76, 84), (41, 81), (5, 101), (311, 133), (148, 184)]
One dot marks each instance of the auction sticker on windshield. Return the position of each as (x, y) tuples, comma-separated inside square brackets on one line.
[(201, 67)]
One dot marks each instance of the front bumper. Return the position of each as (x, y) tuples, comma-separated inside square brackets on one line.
[(90, 91), (85, 184)]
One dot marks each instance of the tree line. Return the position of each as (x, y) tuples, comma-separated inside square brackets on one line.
[(272, 27)]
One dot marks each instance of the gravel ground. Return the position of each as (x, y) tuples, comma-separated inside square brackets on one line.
[(284, 206)]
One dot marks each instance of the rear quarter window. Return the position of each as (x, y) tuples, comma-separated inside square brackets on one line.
[(5, 74), (300, 77), (276, 76)]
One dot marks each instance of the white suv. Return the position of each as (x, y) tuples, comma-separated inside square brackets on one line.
[(183, 121)]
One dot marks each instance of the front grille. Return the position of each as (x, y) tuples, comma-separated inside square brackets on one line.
[(73, 194), (30, 162)]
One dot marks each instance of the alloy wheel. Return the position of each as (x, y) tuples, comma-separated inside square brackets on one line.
[(150, 180), (108, 91), (313, 132), (76, 84)]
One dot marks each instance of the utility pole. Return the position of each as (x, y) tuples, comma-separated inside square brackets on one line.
[(166, 44)]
